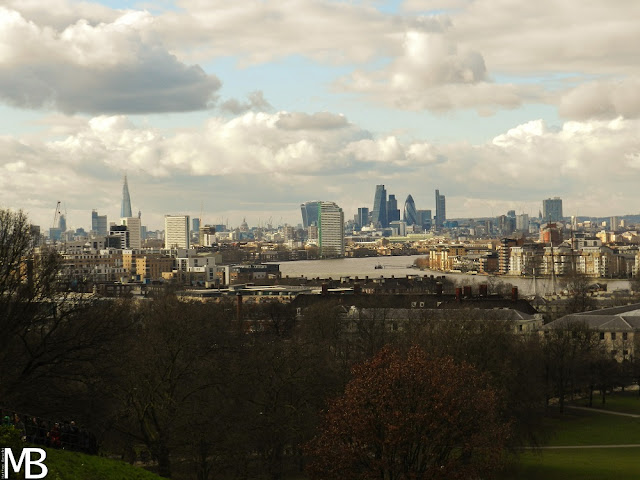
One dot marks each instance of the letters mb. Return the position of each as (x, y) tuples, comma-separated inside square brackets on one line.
[(9, 462)]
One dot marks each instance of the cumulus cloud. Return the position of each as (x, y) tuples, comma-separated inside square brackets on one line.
[(602, 99), (103, 68), (433, 73), (256, 158), (315, 121), (255, 101)]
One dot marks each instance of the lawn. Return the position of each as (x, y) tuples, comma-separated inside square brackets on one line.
[(579, 427), (66, 465), (576, 464), (626, 402)]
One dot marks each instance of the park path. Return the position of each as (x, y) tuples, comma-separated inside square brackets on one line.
[(564, 447), (609, 412)]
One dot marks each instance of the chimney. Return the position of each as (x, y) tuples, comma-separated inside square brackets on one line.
[(357, 289), (438, 289), (483, 289), (458, 294), (467, 291), (325, 289), (239, 306), (514, 294)]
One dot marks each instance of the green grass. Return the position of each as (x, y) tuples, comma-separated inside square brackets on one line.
[(574, 464), (66, 465), (579, 427), (626, 402)]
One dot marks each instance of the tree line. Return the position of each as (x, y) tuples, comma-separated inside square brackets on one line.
[(203, 394)]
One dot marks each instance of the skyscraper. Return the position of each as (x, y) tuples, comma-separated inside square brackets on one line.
[(379, 213), (330, 230), (441, 212), (98, 223), (195, 225), (310, 212), (410, 213), (552, 210), (176, 231), (393, 213), (134, 225), (362, 218), (125, 208), (424, 219), (62, 223)]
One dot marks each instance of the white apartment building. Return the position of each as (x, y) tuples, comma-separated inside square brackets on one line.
[(331, 230), (176, 231)]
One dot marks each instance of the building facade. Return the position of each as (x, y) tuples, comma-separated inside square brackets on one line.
[(330, 230), (176, 231), (441, 210), (552, 209), (379, 213)]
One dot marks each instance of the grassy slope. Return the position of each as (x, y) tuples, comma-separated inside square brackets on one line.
[(588, 428), (65, 465)]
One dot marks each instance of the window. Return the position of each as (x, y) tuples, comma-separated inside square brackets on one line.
[(624, 335), (625, 352), (601, 335), (613, 335)]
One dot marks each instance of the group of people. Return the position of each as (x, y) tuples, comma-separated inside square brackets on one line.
[(66, 435)]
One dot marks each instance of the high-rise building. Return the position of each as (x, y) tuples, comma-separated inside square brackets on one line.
[(125, 208), (522, 222), (99, 223), (379, 213), (176, 231), (441, 211), (62, 223), (393, 212), (424, 219), (195, 225), (330, 230), (118, 237), (410, 212), (362, 219), (134, 225), (309, 213), (552, 210)]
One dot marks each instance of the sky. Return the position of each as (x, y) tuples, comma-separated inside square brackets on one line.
[(231, 110)]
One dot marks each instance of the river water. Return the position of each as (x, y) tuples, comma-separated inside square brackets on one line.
[(402, 266)]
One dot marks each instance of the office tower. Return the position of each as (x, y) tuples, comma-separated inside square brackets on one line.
[(522, 222), (330, 230), (552, 210), (423, 218), (99, 223), (393, 212), (62, 223), (195, 225), (379, 213), (410, 212), (613, 223), (134, 225), (362, 217), (441, 211), (511, 214), (309, 213), (176, 231), (125, 208), (118, 237)]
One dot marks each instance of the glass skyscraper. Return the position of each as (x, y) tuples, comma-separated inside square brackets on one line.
[(410, 213), (125, 209), (552, 209), (379, 213), (310, 211), (441, 212)]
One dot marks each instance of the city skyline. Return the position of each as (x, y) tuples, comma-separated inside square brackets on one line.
[(248, 110)]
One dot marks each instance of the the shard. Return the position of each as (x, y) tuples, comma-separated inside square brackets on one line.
[(125, 209)]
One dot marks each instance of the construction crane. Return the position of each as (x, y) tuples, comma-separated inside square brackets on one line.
[(56, 215)]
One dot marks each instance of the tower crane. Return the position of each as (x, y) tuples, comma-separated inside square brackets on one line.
[(56, 215)]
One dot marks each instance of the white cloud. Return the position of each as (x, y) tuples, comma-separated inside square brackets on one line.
[(252, 158), (602, 99), (103, 68)]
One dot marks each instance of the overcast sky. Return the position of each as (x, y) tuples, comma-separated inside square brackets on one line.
[(249, 108)]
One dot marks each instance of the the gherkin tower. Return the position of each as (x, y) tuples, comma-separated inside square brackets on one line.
[(125, 209), (410, 213)]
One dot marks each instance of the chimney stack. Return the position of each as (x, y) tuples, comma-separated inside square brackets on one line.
[(514, 294)]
